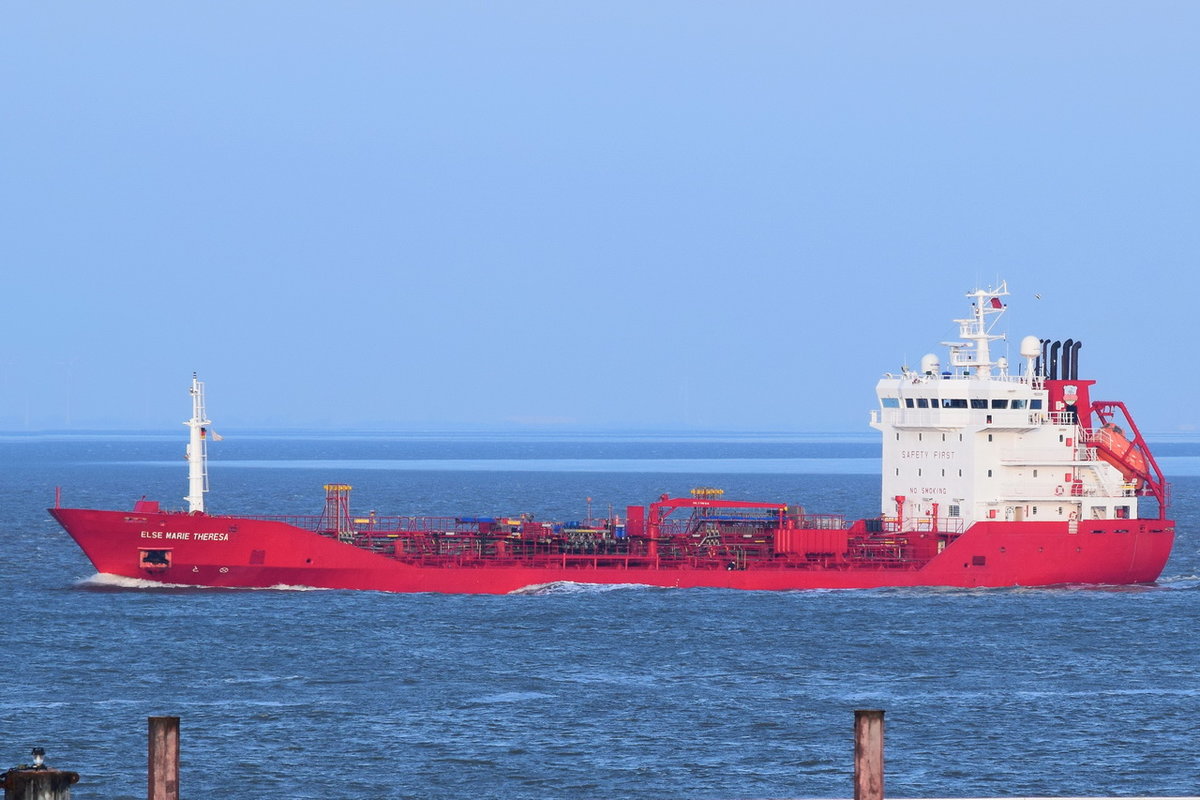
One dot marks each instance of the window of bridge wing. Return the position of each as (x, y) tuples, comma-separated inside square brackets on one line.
[(891, 402)]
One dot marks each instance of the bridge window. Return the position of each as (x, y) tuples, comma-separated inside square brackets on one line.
[(922, 402), (978, 402), (1018, 403), (1035, 403), (908, 402), (891, 402), (1000, 404)]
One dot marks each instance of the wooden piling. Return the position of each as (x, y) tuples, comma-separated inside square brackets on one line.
[(162, 775), (38, 784), (868, 754)]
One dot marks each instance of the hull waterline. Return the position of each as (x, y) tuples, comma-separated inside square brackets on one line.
[(236, 552)]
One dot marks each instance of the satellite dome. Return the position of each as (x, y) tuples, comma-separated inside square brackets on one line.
[(1031, 347), (930, 365)]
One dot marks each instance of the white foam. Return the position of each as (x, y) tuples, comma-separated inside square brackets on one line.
[(290, 587), (106, 580), (1179, 581), (511, 697), (572, 587), (261, 678)]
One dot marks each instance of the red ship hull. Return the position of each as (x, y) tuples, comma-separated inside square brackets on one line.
[(238, 552)]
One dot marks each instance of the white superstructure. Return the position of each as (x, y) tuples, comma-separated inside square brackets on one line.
[(977, 441)]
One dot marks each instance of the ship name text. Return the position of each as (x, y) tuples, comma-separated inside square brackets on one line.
[(186, 536)]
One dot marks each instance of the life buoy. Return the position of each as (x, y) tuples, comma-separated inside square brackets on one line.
[(1058, 490), (1072, 516)]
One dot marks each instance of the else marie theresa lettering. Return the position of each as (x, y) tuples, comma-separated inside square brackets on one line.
[(186, 536)]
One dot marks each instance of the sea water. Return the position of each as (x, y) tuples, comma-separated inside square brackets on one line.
[(573, 691)]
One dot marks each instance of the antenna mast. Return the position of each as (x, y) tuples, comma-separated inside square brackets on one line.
[(975, 329), (197, 449)]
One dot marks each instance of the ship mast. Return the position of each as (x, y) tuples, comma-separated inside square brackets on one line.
[(197, 449), (975, 330)]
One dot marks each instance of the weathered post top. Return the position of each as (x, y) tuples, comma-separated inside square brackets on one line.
[(37, 781)]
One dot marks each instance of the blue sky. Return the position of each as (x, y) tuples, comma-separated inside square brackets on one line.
[(547, 216)]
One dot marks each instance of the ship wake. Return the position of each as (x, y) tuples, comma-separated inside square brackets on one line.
[(571, 587), (107, 582), (1180, 582)]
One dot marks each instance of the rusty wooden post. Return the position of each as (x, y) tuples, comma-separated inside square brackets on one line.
[(162, 777), (45, 784), (37, 781), (868, 755)]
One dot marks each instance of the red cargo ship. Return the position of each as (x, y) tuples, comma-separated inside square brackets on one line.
[(990, 478)]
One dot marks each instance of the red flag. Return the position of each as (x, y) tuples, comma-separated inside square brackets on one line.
[(996, 303)]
